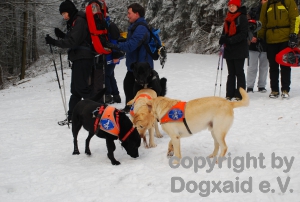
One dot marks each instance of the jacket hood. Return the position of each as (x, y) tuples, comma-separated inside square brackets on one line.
[(242, 9)]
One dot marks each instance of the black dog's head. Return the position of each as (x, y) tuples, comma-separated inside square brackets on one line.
[(141, 71), (133, 141)]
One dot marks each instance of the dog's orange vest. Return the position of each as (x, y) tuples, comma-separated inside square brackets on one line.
[(108, 122), (141, 95), (176, 113)]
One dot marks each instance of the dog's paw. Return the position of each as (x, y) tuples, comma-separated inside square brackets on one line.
[(152, 145), (158, 135), (76, 152), (170, 154), (88, 152), (115, 163)]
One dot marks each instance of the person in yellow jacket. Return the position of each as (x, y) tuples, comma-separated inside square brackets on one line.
[(280, 26)]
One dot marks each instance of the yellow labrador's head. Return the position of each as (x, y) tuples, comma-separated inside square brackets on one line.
[(143, 120)]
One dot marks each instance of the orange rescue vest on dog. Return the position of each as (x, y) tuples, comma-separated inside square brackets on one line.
[(141, 95), (176, 113), (108, 123)]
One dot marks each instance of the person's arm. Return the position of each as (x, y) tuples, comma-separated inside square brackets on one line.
[(138, 37), (263, 19), (243, 31), (293, 17)]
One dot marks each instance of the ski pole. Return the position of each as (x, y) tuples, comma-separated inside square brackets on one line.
[(220, 56), (58, 80), (104, 65), (221, 70), (62, 78)]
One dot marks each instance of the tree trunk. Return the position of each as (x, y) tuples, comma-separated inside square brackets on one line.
[(24, 46)]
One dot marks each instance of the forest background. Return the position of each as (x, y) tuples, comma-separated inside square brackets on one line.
[(187, 26)]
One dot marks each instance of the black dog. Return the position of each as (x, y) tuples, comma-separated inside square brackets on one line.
[(83, 116), (145, 77)]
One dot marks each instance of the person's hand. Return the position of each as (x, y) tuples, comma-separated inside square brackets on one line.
[(111, 46), (222, 40), (253, 40), (115, 61), (50, 40), (293, 42), (59, 33)]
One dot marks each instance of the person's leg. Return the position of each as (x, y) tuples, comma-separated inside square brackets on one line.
[(252, 68), (240, 76), (272, 50), (108, 74), (230, 84), (128, 84), (113, 81), (285, 73), (263, 70)]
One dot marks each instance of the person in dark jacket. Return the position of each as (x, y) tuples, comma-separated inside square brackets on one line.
[(258, 60), (78, 40), (234, 39), (279, 29), (135, 51)]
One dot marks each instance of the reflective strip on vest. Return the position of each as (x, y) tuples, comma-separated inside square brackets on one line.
[(176, 113), (108, 123)]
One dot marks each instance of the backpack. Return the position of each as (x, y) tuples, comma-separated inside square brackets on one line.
[(155, 48), (95, 15)]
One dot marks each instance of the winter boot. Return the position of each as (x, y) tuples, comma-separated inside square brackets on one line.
[(262, 90), (116, 98), (274, 94), (285, 94), (65, 122)]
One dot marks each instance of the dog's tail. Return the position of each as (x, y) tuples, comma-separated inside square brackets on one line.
[(98, 96), (163, 84), (245, 99)]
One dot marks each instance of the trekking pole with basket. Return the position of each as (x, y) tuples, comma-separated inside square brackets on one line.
[(63, 80), (221, 54), (59, 83)]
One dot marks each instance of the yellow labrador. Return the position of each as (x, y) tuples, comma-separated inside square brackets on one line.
[(142, 117), (214, 113)]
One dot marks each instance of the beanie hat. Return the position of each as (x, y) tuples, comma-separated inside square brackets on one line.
[(67, 6), (235, 2)]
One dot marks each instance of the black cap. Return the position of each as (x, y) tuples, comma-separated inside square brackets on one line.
[(67, 6)]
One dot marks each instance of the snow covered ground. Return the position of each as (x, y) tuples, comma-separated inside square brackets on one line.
[(36, 161)]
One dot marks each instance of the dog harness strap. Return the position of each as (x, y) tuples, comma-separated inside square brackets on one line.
[(187, 127), (108, 122), (140, 96), (100, 111), (117, 118), (127, 134)]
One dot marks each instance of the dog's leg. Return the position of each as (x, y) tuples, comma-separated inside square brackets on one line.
[(170, 149), (75, 130), (176, 145), (110, 144), (151, 137), (87, 143), (157, 132), (145, 141), (216, 149)]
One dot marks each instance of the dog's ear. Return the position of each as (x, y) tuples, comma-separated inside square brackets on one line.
[(132, 65), (149, 104), (130, 102)]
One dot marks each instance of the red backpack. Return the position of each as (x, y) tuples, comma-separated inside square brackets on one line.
[(95, 15)]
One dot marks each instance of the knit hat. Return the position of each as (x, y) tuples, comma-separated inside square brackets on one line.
[(67, 6), (235, 2)]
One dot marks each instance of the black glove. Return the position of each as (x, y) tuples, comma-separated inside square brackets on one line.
[(293, 42), (111, 46), (224, 40), (50, 40), (59, 33)]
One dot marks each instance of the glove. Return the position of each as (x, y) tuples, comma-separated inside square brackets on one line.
[(222, 40), (293, 42), (50, 40), (59, 33), (111, 46)]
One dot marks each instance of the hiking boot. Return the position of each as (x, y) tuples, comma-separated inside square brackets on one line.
[(65, 122), (126, 109), (108, 99), (262, 90), (285, 94), (250, 90), (274, 94), (228, 98), (236, 99), (117, 98)]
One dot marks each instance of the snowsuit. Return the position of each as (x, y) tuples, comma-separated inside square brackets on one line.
[(258, 61), (278, 22), (235, 52), (82, 58), (135, 52)]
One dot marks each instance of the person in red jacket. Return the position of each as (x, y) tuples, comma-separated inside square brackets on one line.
[(234, 39)]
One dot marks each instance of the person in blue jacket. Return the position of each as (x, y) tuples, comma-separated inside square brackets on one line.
[(133, 46)]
